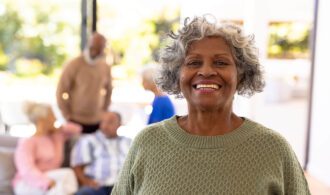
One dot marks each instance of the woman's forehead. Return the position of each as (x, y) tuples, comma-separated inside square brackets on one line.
[(217, 44)]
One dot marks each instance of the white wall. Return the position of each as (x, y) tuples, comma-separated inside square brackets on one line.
[(277, 10), (319, 165)]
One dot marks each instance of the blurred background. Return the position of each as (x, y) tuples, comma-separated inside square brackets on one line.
[(38, 37)]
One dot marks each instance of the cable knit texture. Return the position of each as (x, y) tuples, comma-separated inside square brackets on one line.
[(251, 160)]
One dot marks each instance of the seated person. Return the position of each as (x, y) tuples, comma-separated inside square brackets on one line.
[(38, 158), (162, 106), (98, 157)]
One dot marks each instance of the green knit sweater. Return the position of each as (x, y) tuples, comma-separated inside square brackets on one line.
[(251, 160)]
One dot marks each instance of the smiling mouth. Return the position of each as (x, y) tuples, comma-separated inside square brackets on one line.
[(207, 86)]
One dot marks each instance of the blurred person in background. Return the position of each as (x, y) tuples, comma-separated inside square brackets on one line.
[(85, 87), (98, 157), (211, 150), (162, 106), (38, 158)]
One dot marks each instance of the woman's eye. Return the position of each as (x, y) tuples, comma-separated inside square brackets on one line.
[(194, 63), (220, 63)]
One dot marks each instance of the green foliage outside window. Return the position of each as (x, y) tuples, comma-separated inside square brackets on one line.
[(148, 37), (39, 36), (33, 37), (288, 40), (138, 44)]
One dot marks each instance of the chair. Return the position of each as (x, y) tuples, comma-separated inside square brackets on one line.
[(12, 114)]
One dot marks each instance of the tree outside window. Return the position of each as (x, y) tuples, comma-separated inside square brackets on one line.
[(289, 40)]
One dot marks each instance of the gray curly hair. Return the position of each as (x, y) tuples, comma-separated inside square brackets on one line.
[(245, 54)]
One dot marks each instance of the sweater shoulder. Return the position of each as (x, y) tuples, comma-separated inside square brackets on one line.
[(74, 63), (151, 130), (264, 131), (151, 133), (269, 138), (23, 142)]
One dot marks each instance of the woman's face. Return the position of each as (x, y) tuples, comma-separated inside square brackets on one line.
[(146, 84), (48, 122), (208, 76)]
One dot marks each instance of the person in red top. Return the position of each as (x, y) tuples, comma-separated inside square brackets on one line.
[(38, 158)]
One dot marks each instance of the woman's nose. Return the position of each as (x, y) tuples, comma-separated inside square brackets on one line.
[(206, 70)]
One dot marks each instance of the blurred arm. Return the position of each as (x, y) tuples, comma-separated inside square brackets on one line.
[(63, 91), (108, 90), (81, 156), (70, 129), (25, 161), (82, 178)]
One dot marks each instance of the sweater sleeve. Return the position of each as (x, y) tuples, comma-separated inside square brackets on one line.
[(294, 179), (25, 160), (108, 89), (64, 88), (82, 152), (70, 129), (125, 182)]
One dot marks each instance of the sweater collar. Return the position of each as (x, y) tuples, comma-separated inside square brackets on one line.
[(231, 139)]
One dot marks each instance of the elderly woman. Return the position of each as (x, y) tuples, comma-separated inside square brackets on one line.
[(38, 158), (211, 150)]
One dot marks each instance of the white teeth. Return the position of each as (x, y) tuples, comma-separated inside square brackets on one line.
[(213, 86)]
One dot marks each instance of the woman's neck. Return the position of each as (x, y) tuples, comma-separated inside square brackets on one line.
[(210, 123), (157, 92), (42, 131)]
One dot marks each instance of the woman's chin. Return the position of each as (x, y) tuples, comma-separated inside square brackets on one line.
[(206, 107)]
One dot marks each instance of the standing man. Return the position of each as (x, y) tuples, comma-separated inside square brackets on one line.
[(84, 89)]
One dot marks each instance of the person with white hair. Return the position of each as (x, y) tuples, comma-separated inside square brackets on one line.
[(98, 157), (162, 106), (211, 149), (38, 158), (85, 87)]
